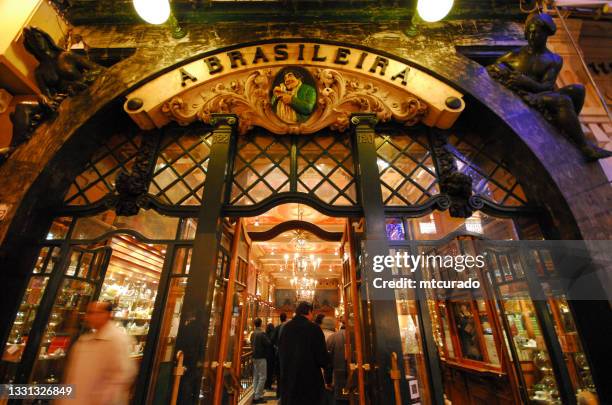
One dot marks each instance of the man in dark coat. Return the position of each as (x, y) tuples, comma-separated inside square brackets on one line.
[(302, 353)]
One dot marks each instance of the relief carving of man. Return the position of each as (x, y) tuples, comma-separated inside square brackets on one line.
[(531, 72), (293, 101)]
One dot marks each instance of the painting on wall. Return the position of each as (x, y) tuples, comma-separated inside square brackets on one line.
[(326, 298), (284, 297)]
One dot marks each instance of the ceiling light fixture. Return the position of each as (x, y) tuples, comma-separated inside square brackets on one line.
[(434, 10), (158, 12), (153, 11)]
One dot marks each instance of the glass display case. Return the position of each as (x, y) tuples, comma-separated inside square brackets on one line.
[(24, 320), (82, 275)]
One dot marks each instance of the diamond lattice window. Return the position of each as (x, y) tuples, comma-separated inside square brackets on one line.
[(262, 167), (180, 169), (98, 178), (491, 178), (406, 167), (325, 169)]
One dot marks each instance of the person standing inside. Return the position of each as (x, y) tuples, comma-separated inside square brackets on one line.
[(260, 344), (335, 346), (99, 365), (270, 357), (302, 354), (328, 326), (275, 339)]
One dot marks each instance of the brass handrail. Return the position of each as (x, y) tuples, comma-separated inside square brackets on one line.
[(348, 389), (396, 375), (178, 372)]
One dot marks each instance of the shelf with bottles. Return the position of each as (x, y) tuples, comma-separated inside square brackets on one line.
[(24, 319), (524, 328)]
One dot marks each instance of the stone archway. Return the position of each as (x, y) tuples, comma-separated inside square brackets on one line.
[(562, 170), (565, 184)]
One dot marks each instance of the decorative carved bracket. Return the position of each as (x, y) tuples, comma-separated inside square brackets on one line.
[(339, 96), (457, 185), (132, 187)]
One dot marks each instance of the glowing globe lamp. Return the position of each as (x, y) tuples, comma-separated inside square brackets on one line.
[(153, 11), (434, 10)]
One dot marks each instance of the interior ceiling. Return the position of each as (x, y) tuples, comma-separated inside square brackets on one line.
[(196, 11), (292, 212), (270, 254)]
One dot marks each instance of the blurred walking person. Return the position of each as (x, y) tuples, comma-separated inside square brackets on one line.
[(99, 365), (302, 354), (260, 344)]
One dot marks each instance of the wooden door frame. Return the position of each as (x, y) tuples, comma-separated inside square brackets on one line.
[(227, 313), (348, 239)]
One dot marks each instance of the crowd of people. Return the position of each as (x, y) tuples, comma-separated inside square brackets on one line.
[(305, 356)]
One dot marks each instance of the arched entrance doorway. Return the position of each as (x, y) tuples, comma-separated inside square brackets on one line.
[(226, 167)]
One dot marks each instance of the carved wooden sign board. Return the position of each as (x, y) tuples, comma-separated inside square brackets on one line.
[(294, 88)]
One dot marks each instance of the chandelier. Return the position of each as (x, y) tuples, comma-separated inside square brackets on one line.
[(299, 263), (302, 267)]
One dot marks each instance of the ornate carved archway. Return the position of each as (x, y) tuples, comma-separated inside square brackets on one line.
[(31, 175)]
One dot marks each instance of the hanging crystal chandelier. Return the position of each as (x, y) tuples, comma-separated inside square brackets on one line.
[(302, 266)]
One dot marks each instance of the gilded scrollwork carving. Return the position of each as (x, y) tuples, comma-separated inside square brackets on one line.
[(338, 96)]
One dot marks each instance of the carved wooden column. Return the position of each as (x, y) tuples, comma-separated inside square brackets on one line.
[(195, 316), (382, 329)]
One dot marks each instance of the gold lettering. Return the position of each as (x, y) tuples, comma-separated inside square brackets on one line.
[(280, 52), (259, 54), (381, 63), (185, 76), (214, 65), (316, 57), (362, 57), (342, 56), (401, 75), (235, 57)]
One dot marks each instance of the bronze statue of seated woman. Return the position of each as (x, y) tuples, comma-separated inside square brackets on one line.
[(531, 72)]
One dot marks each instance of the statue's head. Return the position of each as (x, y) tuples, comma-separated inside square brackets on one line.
[(39, 43), (538, 28)]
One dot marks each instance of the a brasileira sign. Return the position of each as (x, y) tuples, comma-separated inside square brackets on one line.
[(294, 88)]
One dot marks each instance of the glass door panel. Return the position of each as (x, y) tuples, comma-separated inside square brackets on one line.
[(414, 363), (161, 381), (519, 318), (131, 284), (213, 340)]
